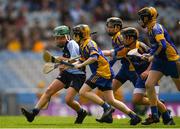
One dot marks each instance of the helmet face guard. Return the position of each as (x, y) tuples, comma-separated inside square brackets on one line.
[(80, 32), (77, 35), (146, 16), (112, 23)]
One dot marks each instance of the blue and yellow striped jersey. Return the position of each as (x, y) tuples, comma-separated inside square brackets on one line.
[(121, 54), (117, 40), (162, 46), (133, 63), (139, 64), (101, 67)]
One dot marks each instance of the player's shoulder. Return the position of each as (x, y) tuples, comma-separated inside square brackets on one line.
[(158, 29)]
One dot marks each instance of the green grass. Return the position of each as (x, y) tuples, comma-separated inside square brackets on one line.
[(67, 122)]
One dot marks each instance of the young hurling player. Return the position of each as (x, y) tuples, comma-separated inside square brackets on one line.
[(101, 77), (142, 67), (70, 79), (163, 55), (127, 70)]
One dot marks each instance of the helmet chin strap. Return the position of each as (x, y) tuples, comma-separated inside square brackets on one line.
[(67, 37)]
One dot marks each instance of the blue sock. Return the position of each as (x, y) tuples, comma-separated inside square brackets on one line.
[(131, 115), (105, 106), (166, 115), (154, 111)]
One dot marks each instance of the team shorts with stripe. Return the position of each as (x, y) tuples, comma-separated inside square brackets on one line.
[(101, 83)]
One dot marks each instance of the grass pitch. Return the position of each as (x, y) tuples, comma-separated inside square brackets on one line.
[(68, 122)]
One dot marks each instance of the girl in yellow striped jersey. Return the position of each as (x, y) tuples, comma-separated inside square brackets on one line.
[(163, 55), (101, 77)]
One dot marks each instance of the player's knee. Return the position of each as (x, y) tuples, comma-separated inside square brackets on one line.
[(49, 92)]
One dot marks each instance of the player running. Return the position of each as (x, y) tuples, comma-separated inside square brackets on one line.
[(70, 79), (142, 67), (101, 77), (127, 70), (163, 55)]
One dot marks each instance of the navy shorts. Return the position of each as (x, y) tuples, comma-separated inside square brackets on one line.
[(140, 83), (124, 74), (140, 86), (72, 80), (168, 68), (99, 82)]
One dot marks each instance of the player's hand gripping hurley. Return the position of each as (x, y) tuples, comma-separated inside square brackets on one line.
[(53, 62)]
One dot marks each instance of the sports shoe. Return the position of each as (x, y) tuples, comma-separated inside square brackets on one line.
[(28, 114), (107, 116), (135, 121), (169, 122), (107, 119), (150, 120), (80, 117)]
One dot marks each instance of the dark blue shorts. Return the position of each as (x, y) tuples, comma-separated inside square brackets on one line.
[(140, 83), (72, 80), (140, 86), (99, 82), (124, 74), (168, 68)]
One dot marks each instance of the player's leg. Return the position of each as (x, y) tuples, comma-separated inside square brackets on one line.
[(81, 113), (139, 92), (117, 90), (119, 79), (116, 85), (55, 86), (177, 82), (70, 94), (152, 80), (175, 73), (140, 98), (109, 97), (86, 91)]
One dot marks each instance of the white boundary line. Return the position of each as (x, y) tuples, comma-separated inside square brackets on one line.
[(88, 128)]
